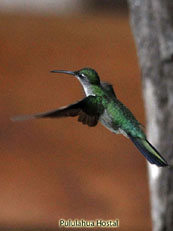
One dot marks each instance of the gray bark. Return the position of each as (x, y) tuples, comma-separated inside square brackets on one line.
[(152, 26)]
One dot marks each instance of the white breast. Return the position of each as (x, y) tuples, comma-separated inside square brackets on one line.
[(106, 120)]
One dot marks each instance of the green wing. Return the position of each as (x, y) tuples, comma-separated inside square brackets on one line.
[(88, 111)]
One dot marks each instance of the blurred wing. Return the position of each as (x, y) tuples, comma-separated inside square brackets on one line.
[(108, 88), (87, 109)]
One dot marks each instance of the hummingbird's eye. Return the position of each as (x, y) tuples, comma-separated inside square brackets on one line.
[(81, 75)]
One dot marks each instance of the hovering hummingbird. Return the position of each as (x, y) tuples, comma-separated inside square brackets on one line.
[(101, 104)]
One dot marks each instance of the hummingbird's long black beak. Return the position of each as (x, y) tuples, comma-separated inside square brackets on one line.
[(62, 71)]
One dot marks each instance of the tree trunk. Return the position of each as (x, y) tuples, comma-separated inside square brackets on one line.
[(153, 31)]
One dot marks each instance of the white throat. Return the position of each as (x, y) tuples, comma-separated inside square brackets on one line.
[(87, 89)]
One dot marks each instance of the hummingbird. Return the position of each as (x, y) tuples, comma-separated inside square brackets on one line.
[(102, 105)]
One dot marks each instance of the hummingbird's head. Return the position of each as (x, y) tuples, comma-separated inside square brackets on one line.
[(88, 75), (85, 75)]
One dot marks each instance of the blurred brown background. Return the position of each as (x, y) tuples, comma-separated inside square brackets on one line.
[(53, 169)]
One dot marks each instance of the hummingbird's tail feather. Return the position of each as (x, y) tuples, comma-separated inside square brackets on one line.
[(151, 154)]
